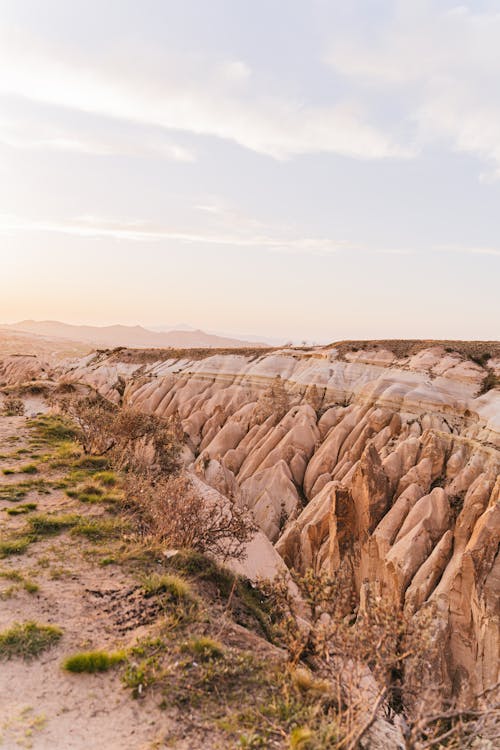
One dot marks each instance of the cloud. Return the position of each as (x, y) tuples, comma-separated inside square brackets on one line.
[(224, 227), (198, 97), (439, 69), (142, 231), (35, 132)]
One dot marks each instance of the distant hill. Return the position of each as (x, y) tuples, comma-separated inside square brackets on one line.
[(129, 336)]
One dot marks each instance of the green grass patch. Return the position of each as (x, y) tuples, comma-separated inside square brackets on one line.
[(21, 509), (31, 587), (53, 428), (89, 493), (15, 492), (12, 492), (29, 469), (203, 648), (98, 529), (91, 463), (15, 546), (27, 640), (106, 478), (249, 607), (93, 661), (9, 471), (176, 587), (44, 524), (105, 561)]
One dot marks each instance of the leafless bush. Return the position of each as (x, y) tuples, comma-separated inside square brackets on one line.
[(13, 407), (94, 417), (134, 441), (173, 511), (400, 654), (272, 402)]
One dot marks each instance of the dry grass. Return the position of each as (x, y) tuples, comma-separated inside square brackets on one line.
[(402, 348), (145, 356)]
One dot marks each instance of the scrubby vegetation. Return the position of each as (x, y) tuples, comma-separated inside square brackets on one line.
[(27, 640), (273, 402), (12, 406), (171, 510), (490, 381)]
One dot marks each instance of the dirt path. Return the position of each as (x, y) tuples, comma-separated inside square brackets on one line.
[(41, 705)]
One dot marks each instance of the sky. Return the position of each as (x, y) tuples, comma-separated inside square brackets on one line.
[(297, 169)]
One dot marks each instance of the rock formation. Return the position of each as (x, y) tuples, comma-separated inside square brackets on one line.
[(387, 462)]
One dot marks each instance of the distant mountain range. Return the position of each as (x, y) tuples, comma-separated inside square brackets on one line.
[(130, 336)]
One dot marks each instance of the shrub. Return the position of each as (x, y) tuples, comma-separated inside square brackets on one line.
[(133, 440), (174, 512), (93, 661), (273, 402), (490, 381), (27, 640), (13, 407)]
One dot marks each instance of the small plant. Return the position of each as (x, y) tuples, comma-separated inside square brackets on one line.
[(29, 469), (21, 509), (52, 428), (7, 472), (13, 492), (177, 588), (91, 463), (173, 511), (97, 529), (93, 661), (301, 738), (203, 648), (13, 407), (27, 640), (46, 525), (106, 478), (88, 493), (489, 382), (31, 587), (15, 546)]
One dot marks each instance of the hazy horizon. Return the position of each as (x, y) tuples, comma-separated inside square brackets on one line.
[(300, 170)]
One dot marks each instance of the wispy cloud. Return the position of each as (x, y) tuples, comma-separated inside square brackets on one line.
[(141, 231), (438, 68), (36, 133), (201, 98), (230, 228)]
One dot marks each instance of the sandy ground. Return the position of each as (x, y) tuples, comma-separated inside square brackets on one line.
[(41, 706)]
